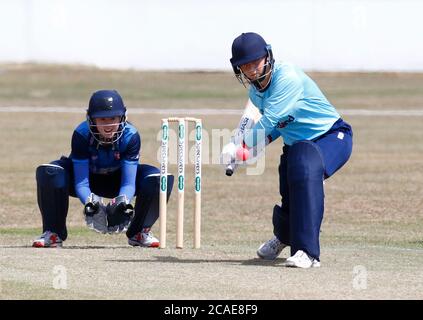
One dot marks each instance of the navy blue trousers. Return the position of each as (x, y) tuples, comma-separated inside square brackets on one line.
[(303, 167), (108, 186)]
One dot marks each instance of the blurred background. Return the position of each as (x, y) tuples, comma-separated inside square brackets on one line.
[(319, 35), (172, 58)]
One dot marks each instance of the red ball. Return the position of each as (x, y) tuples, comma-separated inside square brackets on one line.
[(242, 154)]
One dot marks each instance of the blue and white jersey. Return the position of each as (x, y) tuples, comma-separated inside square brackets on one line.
[(293, 105), (90, 157)]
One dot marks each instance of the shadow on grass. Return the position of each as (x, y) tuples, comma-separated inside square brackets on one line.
[(168, 259), (32, 231), (84, 247)]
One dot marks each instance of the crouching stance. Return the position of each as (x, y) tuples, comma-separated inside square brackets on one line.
[(104, 163), (317, 143)]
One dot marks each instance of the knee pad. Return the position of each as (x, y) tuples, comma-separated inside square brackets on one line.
[(150, 185), (147, 203), (51, 176), (305, 162), (53, 197)]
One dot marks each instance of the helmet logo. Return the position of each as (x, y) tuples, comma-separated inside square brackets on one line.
[(109, 102)]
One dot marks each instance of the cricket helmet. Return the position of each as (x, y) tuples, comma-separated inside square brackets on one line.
[(249, 47), (106, 104)]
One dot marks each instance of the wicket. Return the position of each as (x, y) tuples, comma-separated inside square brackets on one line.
[(181, 180)]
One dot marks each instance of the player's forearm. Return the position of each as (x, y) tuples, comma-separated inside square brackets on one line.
[(129, 174), (249, 117), (258, 134), (82, 191), (82, 185)]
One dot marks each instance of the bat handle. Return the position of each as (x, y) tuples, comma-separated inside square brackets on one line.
[(229, 170)]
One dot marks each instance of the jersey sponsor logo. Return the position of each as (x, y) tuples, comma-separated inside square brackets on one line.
[(283, 124)]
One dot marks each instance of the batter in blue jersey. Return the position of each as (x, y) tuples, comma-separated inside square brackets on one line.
[(104, 163), (317, 142)]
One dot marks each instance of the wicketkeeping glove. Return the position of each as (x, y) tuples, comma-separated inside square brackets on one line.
[(95, 213), (119, 214)]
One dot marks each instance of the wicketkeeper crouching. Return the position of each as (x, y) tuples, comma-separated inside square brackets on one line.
[(104, 163)]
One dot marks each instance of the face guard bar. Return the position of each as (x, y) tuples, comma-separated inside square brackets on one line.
[(258, 82), (102, 140)]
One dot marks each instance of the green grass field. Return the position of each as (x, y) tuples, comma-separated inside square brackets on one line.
[(373, 224)]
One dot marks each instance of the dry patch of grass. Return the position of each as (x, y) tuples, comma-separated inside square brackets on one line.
[(373, 215)]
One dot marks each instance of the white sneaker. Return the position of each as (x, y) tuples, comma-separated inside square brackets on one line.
[(144, 239), (48, 240), (271, 249), (302, 260)]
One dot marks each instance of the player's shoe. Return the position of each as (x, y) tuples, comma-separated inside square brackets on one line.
[(271, 249), (48, 240), (144, 239), (302, 260)]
